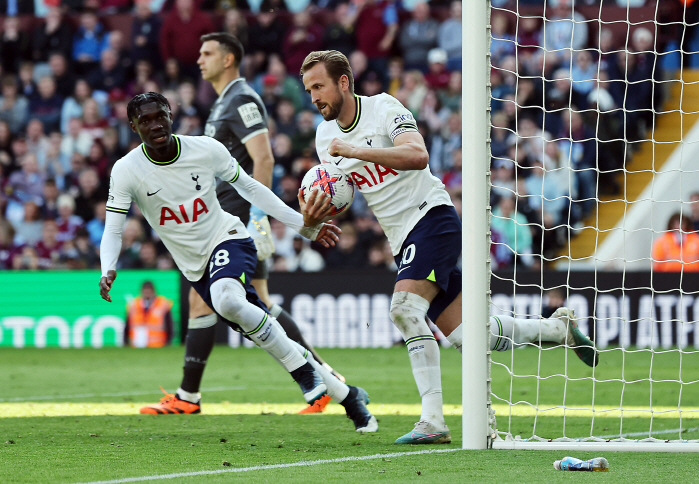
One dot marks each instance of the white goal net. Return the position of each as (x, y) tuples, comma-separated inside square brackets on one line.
[(593, 204)]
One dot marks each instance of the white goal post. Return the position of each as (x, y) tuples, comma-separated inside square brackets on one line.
[(475, 189), (668, 328)]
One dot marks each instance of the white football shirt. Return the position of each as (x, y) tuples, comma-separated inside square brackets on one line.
[(178, 198), (399, 199)]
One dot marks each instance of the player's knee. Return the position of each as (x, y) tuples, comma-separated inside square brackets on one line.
[(201, 322), (197, 306), (229, 307), (228, 300), (408, 313)]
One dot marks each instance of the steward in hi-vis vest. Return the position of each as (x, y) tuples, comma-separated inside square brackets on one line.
[(148, 319)]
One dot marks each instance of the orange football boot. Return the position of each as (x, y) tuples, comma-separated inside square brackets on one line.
[(318, 406), (170, 403)]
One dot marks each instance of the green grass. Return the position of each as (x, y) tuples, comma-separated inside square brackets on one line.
[(84, 448)]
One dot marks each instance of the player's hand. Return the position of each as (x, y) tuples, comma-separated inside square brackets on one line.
[(317, 209), (337, 147), (328, 235), (106, 285)]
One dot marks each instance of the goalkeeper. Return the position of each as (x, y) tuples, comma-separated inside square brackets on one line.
[(238, 119)]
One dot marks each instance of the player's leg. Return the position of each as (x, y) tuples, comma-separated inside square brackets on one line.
[(409, 305), (232, 296), (560, 328), (427, 258), (354, 399), (230, 300), (449, 322), (259, 282), (292, 331), (445, 310), (201, 335), (505, 331)]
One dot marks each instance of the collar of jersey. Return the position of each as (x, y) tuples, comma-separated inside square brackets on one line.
[(357, 115), (228, 86), (164, 163)]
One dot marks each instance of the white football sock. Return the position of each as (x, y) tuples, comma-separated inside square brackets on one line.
[(188, 397), (337, 390), (506, 330), (455, 338), (228, 297), (275, 310), (408, 312)]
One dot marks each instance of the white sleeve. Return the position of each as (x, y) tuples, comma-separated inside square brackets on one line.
[(264, 199), (397, 118), (110, 248), (225, 166), (118, 204)]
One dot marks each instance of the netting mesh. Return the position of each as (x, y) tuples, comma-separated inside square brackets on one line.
[(595, 207)]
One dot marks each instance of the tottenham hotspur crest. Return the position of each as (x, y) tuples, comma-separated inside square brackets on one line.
[(195, 178)]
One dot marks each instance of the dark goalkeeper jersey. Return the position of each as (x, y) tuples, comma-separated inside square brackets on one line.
[(237, 116)]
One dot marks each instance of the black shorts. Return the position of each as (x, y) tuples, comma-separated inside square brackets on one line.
[(236, 259), (431, 251)]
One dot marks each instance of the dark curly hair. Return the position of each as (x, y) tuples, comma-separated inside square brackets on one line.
[(140, 99)]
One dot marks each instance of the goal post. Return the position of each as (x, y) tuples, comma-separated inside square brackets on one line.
[(475, 126), (644, 394)]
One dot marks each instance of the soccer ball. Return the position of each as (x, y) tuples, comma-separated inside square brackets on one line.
[(333, 181)]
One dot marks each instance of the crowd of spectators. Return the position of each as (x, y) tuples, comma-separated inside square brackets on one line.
[(572, 100), (69, 69)]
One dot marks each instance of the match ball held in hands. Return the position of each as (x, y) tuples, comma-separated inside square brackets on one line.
[(330, 179)]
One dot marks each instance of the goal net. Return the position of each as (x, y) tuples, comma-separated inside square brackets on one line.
[(592, 203)]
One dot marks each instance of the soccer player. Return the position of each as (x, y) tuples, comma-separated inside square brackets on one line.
[(375, 141), (238, 119), (172, 179)]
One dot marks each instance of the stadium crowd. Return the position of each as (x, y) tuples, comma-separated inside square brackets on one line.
[(67, 77), (572, 100), (69, 68)]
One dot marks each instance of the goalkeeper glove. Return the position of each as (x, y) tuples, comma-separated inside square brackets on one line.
[(261, 233)]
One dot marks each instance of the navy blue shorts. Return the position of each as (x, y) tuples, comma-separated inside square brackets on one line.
[(431, 251), (237, 259)]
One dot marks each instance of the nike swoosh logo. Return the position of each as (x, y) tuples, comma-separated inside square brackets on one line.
[(338, 161), (151, 194), (401, 270), (417, 436), (212, 274)]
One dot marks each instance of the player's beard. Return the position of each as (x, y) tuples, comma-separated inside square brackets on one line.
[(333, 108)]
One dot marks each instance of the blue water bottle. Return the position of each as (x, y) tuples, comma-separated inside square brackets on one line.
[(598, 464)]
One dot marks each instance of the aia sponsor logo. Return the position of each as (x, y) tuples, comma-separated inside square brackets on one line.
[(371, 177), (179, 215)]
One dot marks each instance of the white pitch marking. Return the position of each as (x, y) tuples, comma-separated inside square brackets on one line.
[(646, 434), (302, 463), (121, 394)]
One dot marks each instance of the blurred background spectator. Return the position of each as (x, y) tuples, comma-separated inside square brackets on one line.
[(148, 319), (677, 250)]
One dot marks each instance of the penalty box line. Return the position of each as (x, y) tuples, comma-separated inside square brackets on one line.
[(303, 463)]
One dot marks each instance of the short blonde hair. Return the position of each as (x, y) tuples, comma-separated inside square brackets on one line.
[(335, 63)]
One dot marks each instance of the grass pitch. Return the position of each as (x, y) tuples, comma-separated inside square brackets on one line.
[(70, 416)]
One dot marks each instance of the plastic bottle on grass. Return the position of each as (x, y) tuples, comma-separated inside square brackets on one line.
[(598, 464)]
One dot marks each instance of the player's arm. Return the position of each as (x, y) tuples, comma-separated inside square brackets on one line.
[(309, 224), (118, 204), (110, 248), (249, 123), (260, 150), (407, 153)]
